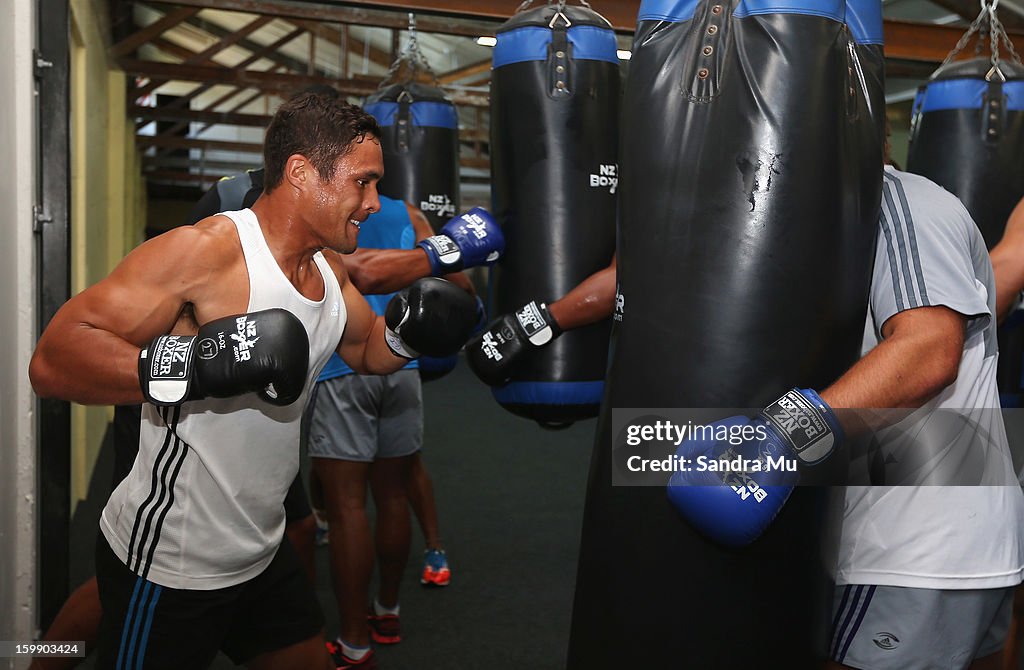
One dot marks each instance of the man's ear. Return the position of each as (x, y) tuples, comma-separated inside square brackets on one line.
[(298, 171)]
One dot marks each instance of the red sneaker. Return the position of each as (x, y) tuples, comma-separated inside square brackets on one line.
[(343, 662), (384, 628), (435, 568)]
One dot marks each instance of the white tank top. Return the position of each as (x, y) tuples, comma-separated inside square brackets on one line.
[(203, 505)]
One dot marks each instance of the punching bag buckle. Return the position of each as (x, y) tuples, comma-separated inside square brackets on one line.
[(559, 52), (992, 111), (554, 19), (402, 120)]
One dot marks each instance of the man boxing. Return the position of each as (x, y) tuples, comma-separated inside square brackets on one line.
[(221, 328), (919, 562), (370, 270)]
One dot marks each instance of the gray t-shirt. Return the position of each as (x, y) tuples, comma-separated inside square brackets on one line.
[(913, 527)]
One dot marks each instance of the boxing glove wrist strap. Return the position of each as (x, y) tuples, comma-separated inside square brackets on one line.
[(806, 424), (443, 253), (166, 370), (537, 323)]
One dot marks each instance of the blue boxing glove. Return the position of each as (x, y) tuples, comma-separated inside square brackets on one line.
[(468, 240), (736, 475)]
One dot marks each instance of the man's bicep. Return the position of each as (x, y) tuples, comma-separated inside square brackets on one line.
[(360, 319)]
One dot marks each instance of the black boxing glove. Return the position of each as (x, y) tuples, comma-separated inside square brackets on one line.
[(265, 352), (433, 317), (493, 354)]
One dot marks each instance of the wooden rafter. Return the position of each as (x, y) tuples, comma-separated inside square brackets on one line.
[(471, 71), (330, 34), (158, 27), (204, 145), (926, 42), (277, 57), (181, 101), (272, 82), (968, 10), (206, 55), (199, 115), (348, 15)]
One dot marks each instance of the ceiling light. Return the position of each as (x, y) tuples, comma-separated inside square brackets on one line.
[(487, 41), (624, 54)]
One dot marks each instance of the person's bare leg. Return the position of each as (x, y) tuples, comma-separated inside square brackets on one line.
[(351, 544), (77, 620), (302, 533), (421, 497), (389, 481), (309, 654)]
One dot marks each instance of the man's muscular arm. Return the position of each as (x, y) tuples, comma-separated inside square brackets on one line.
[(89, 351), (495, 354), (1008, 263), (386, 270), (592, 300), (375, 271), (362, 345), (918, 358)]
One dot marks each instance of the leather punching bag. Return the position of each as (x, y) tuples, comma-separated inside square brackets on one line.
[(751, 179), (554, 167), (420, 142), (967, 135)]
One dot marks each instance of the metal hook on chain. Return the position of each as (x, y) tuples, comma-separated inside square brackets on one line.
[(412, 56), (996, 34)]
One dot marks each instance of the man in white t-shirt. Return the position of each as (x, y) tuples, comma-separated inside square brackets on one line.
[(927, 565)]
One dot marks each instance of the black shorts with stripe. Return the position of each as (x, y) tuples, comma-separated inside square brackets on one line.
[(146, 625)]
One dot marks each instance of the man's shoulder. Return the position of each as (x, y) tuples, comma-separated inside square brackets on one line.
[(214, 236), (919, 192), (915, 202)]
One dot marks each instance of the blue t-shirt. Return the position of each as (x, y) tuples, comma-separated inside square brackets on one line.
[(389, 228)]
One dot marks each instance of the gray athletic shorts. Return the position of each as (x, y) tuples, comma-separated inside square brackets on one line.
[(366, 417), (883, 627)]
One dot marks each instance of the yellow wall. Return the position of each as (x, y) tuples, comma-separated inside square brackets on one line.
[(107, 194)]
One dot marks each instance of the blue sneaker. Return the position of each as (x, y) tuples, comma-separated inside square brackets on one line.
[(435, 568), (322, 537)]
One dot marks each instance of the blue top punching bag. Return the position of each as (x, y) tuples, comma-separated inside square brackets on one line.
[(420, 143), (967, 135), (751, 161), (554, 175)]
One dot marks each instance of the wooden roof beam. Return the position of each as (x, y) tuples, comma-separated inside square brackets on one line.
[(968, 11), (927, 42), (272, 82), (155, 29), (206, 55), (471, 71), (252, 46), (621, 13), (334, 13)]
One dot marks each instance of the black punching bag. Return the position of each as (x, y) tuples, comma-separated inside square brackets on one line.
[(749, 196), (967, 135), (420, 142), (554, 176)]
